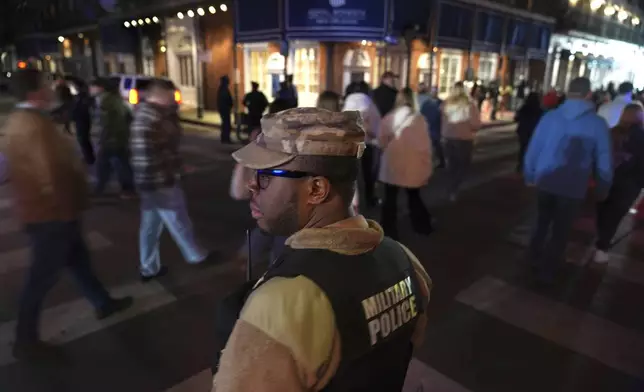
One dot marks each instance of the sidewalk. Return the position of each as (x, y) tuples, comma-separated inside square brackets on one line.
[(212, 118)]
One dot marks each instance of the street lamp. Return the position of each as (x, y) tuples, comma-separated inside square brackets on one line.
[(596, 4), (180, 15), (155, 19), (191, 13), (212, 9), (609, 11), (201, 12), (133, 23), (141, 22), (61, 39), (148, 21), (622, 15), (126, 24), (573, 2), (635, 21), (223, 7)]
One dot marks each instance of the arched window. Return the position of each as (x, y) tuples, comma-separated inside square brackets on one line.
[(357, 67)]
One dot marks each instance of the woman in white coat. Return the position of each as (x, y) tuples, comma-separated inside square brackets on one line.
[(406, 164)]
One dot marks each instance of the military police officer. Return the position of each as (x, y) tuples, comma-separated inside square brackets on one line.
[(343, 306)]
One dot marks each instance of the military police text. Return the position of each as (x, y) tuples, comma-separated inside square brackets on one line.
[(390, 309)]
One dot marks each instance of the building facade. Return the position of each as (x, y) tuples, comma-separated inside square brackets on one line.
[(599, 39), (327, 44)]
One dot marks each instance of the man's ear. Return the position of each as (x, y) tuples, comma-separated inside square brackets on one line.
[(319, 190)]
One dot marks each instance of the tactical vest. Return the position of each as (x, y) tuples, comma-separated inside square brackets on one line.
[(376, 300)]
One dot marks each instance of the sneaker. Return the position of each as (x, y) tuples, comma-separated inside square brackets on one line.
[(113, 307), (37, 351), (163, 271), (601, 257)]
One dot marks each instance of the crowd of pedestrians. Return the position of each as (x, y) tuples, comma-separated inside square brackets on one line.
[(308, 173), (568, 146)]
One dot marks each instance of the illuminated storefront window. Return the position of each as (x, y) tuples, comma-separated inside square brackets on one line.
[(450, 71), (357, 68), (305, 65), (488, 64)]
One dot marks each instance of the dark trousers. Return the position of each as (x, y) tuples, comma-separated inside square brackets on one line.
[(524, 141), (369, 174), (119, 159), (421, 219), (226, 126), (55, 246), (85, 142), (611, 211), (459, 160), (439, 152), (555, 217)]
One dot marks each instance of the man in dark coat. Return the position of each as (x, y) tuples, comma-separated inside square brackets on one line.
[(385, 95), (225, 107), (256, 103)]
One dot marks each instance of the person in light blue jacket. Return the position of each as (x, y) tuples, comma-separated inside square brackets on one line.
[(570, 144)]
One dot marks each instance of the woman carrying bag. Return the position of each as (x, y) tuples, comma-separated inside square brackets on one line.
[(406, 164)]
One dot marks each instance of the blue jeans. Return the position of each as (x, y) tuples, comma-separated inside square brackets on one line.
[(55, 246), (119, 158), (166, 208)]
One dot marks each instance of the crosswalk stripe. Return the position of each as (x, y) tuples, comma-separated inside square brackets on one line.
[(20, 258), (616, 346), (422, 378), (200, 382), (73, 320)]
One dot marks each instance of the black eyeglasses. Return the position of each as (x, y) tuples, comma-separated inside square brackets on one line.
[(263, 176)]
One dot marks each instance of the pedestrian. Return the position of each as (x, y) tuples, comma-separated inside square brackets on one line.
[(527, 117), (423, 95), (225, 107), (570, 144), (333, 284), (64, 105), (431, 110), (461, 120), (112, 119), (612, 111), (256, 103), (50, 194), (406, 164), (82, 117), (384, 96), (628, 180), (156, 135), (288, 92), (358, 99), (329, 100)]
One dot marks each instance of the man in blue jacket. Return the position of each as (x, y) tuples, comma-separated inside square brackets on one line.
[(431, 110), (570, 144)]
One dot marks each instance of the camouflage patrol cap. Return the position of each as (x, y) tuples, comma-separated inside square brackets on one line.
[(303, 131)]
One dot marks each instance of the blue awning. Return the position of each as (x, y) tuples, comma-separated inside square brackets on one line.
[(257, 21), (319, 20)]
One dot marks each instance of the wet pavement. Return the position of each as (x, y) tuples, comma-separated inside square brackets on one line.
[(490, 328)]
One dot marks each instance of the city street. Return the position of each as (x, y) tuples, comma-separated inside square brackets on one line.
[(490, 329)]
